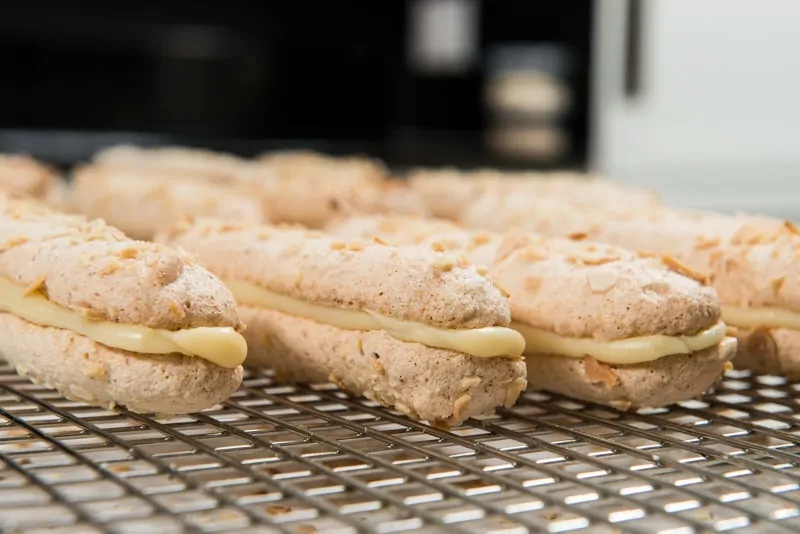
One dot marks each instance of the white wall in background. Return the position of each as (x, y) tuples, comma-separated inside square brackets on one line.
[(717, 120)]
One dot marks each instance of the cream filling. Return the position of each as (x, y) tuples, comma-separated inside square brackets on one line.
[(221, 345), (764, 317), (619, 352), (487, 342)]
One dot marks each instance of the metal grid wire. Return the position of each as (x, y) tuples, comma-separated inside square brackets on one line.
[(277, 458)]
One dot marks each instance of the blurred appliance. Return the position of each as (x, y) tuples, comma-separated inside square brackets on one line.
[(699, 100), (415, 82)]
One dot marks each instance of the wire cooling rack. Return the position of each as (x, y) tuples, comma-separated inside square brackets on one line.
[(278, 458)]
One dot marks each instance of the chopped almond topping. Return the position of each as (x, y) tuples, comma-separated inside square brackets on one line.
[(95, 371), (684, 269), (298, 277), (716, 255), (167, 268), (647, 254), (418, 237), (439, 424), (516, 387), (438, 246), (89, 313), (770, 238), (128, 253), (595, 228), (533, 254), (511, 244), (355, 246), (388, 225), (206, 230), (731, 264), (176, 309), (599, 260), (443, 264), (463, 261), (501, 289), (748, 235), (405, 408), (263, 233), (777, 284), (379, 241), (111, 267), (531, 283), (598, 373), (601, 281), (578, 236), (481, 239), (230, 227), (338, 245), (793, 228), (704, 242), (621, 404), (460, 406), (184, 256), (482, 271), (471, 381), (36, 286), (14, 242), (338, 382)]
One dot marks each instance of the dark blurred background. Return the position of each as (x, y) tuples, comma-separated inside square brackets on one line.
[(423, 82)]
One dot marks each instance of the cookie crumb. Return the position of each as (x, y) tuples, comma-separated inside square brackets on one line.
[(515, 389), (461, 405), (470, 381)]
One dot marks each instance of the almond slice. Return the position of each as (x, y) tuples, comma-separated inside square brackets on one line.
[(510, 245), (601, 281), (684, 269), (598, 373)]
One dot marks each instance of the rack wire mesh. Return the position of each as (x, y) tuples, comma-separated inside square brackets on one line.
[(305, 459)]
